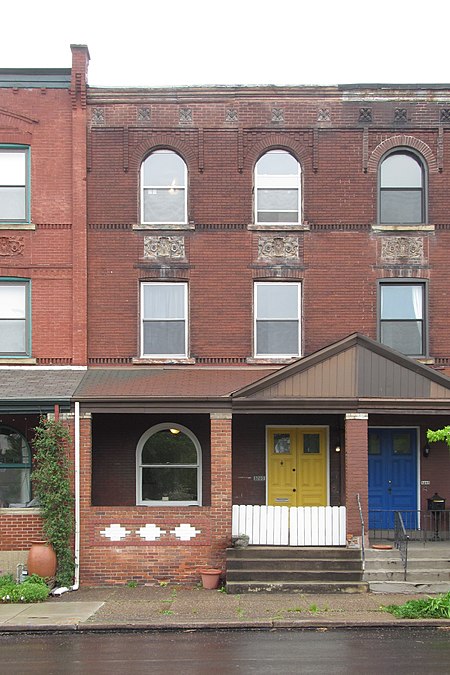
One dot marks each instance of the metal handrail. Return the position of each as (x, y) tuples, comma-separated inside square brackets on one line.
[(363, 552), (401, 540)]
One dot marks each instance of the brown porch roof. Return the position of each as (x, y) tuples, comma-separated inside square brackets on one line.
[(354, 373)]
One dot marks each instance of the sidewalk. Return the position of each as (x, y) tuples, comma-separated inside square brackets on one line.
[(175, 607)]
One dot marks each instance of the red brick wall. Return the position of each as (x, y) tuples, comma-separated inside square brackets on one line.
[(356, 473)]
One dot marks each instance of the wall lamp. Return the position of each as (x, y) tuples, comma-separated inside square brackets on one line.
[(426, 450)]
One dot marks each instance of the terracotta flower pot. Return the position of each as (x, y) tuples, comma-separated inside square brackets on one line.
[(210, 578), (41, 559)]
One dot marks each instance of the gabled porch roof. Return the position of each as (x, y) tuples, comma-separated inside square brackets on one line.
[(353, 374)]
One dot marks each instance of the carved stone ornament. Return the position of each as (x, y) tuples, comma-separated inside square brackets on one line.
[(98, 116), (143, 114), (365, 115), (277, 115), (400, 115), (324, 115), (232, 115), (445, 115), (185, 115), (171, 248), (402, 249), (277, 247), (11, 245)]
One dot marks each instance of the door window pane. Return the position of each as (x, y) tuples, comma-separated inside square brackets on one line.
[(311, 444), (282, 444)]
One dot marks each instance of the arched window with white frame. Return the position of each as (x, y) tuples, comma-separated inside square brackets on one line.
[(163, 188), (168, 467), (15, 468), (277, 188)]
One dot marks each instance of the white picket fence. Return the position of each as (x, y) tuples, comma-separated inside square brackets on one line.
[(290, 526)]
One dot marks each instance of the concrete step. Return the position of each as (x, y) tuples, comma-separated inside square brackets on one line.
[(409, 587), (430, 576), (255, 574), (234, 587), (305, 553), (292, 564)]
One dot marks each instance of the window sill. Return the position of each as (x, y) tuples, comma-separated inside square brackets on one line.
[(403, 228), (145, 361), (163, 226), (279, 227), (274, 360), (19, 361), (163, 504), (20, 511), (17, 226)]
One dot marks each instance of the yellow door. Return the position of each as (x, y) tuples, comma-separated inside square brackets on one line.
[(297, 467)]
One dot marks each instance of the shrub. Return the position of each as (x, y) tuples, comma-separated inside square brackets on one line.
[(33, 589), (428, 608)]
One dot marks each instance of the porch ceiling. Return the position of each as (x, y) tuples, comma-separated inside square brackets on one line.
[(354, 373)]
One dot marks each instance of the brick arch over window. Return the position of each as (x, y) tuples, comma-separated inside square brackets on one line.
[(163, 142), (275, 142), (402, 141)]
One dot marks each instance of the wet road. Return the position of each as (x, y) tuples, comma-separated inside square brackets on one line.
[(421, 651)]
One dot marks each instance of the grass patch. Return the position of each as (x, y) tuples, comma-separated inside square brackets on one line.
[(428, 608)]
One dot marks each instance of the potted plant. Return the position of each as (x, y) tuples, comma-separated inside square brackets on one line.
[(210, 577)]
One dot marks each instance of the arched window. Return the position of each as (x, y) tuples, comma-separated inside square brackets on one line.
[(163, 188), (402, 189), (168, 467), (15, 468), (277, 188)]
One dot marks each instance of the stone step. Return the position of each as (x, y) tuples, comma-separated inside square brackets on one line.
[(428, 576), (291, 564), (234, 587), (306, 553), (409, 587), (255, 574)]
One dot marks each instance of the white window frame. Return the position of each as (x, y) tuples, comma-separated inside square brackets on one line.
[(25, 151), (23, 283), (183, 187), (278, 181), (256, 319), (185, 318), (391, 283), (139, 466)]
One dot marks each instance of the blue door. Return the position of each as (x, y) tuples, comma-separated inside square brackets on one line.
[(392, 477)]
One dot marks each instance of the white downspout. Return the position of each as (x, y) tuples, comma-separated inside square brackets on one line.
[(76, 584)]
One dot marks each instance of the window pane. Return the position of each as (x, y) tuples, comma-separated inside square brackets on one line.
[(282, 444), (277, 200), (277, 337), (164, 301), (12, 301), (12, 167), (401, 170), (401, 444), (277, 162), (12, 203), (277, 301), (277, 216), (13, 448), (403, 301), (172, 484), (401, 206), (14, 486), (12, 337), (164, 337), (404, 336), (311, 444), (165, 169), (164, 447), (164, 206)]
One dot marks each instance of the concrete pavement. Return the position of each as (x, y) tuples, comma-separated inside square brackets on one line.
[(178, 607)]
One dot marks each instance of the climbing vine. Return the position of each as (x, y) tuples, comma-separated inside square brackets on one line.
[(51, 482)]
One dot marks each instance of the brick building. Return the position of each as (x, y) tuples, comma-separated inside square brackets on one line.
[(254, 281)]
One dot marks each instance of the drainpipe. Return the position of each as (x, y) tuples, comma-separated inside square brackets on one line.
[(76, 584)]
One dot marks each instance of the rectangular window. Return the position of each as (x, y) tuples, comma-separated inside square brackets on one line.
[(277, 319), (164, 320), (402, 317), (14, 181), (14, 318)]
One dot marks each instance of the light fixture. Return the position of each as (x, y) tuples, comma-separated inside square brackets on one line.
[(174, 431), (426, 450), (337, 448)]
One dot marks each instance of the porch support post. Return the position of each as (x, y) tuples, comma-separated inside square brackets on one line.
[(356, 470), (221, 483)]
